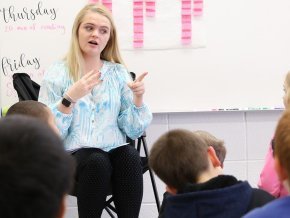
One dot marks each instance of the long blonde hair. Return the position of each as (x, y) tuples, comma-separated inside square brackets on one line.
[(74, 57), (287, 90)]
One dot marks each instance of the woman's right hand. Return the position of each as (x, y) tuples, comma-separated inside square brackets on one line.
[(84, 85)]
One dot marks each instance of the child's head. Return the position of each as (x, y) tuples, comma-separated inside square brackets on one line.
[(282, 147), (36, 171), (34, 109), (216, 143), (286, 87), (179, 157)]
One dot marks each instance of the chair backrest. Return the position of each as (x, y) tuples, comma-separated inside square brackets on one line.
[(25, 87)]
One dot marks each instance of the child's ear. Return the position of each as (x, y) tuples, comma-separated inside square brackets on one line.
[(281, 172), (213, 157), (62, 208), (171, 190)]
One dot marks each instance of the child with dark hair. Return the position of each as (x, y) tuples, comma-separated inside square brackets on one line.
[(34, 109), (193, 175), (35, 171)]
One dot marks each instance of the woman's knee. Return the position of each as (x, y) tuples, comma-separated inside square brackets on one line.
[(98, 162)]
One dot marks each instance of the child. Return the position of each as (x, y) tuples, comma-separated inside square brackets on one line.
[(34, 109), (216, 143), (268, 177), (192, 173), (281, 207), (35, 171)]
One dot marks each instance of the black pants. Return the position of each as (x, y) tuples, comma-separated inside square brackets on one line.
[(99, 172)]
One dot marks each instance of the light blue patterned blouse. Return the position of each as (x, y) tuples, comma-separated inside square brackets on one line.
[(101, 119)]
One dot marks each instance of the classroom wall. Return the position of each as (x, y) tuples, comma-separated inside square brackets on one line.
[(246, 134)]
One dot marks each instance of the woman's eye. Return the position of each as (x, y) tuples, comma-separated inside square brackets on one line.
[(103, 31), (88, 28)]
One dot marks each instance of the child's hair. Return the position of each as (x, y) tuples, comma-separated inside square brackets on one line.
[(216, 143), (30, 108), (36, 171), (178, 157), (282, 142)]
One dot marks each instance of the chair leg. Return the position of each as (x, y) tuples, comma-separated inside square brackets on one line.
[(150, 172), (109, 212)]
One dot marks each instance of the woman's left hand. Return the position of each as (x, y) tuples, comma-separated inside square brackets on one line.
[(138, 89)]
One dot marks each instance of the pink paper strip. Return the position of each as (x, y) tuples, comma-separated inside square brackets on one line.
[(150, 8), (138, 21), (186, 11), (186, 34), (186, 26), (186, 41), (138, 44), (197, 8), (107, 4), (138, 13), (186, 22), (138, 28)]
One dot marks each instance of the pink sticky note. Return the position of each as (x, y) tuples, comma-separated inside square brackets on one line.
[(197, 8), (150, 3), (138, 29), (138, 20), (186, 12), (138, 36), (186, 18), (186, 41), (138, 44), (150, 13), (137, 13), (197, 12), (186, 34), (186, 26)]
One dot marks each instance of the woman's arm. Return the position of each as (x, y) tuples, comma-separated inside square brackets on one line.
[(133, 119)]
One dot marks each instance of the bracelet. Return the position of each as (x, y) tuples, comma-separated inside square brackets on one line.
[(69, 98)]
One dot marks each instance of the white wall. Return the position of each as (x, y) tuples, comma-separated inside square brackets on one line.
[(246, 134)]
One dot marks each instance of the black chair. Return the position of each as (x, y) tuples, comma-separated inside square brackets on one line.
[(27, 89), (141, 141)]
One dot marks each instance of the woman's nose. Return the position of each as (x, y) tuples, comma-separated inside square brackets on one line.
[(95, 33)]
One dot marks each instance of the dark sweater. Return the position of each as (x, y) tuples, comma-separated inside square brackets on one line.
[(221, 197)]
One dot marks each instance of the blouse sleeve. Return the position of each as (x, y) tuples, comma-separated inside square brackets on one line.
[(55, 83), (132, 120)]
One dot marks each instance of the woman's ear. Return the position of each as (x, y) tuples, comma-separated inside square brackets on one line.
[(281, 172), (213, 157)]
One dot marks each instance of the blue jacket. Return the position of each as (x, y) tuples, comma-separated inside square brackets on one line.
[(220, 197), (279, 208)]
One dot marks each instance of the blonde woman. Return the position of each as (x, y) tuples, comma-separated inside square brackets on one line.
[(96, 106)]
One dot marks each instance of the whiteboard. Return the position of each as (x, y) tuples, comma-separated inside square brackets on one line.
[(237, 60)]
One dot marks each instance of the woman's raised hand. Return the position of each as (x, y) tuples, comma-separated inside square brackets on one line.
[(84, 85), (138, 89)]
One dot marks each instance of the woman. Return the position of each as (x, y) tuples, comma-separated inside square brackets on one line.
[(96, 105)]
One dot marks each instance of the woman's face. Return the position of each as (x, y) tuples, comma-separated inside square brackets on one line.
[(94, 34)]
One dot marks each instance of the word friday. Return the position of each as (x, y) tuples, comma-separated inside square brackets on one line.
[(12, 65), (10, 14)]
